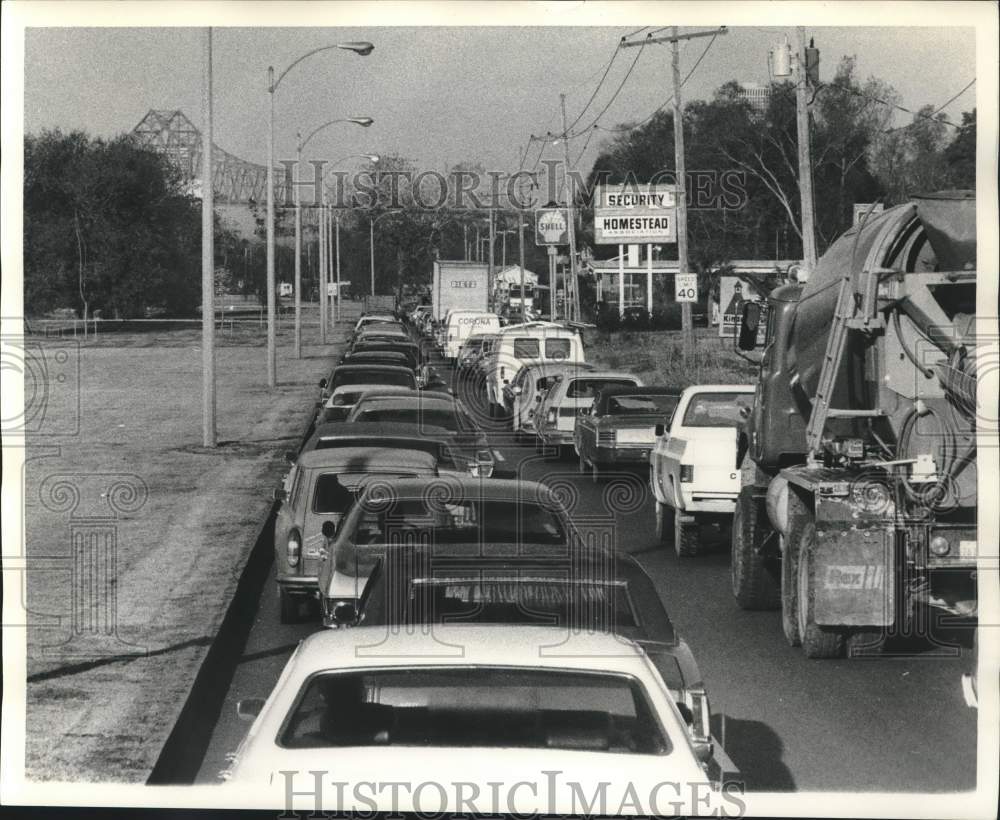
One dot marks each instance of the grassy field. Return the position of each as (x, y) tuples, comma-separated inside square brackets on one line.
[(656, 356), (136, 534)]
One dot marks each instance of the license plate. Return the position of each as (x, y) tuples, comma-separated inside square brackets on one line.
[(643, 435)]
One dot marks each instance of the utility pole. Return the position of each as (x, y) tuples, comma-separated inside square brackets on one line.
[(805, 159), (570, 288), (687, 325), (682, 238), (297, 346), (489, 264), (207, 260), (321, 238)]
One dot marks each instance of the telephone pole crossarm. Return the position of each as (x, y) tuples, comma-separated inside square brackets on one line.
[(673, 38)]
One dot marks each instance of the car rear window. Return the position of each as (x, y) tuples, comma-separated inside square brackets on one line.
[(475, 706), (447, 419), (716, 409), (330, 495), (540, 597), (460, 521), (374, 377), (526, 348), (641, 405), (557, 348), (587, 388)]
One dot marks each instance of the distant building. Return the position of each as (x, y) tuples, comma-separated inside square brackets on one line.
[(759, 96)]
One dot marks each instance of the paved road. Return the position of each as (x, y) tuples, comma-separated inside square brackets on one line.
[(885, 724)]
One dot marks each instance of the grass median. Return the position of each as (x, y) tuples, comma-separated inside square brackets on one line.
[(136, 534)]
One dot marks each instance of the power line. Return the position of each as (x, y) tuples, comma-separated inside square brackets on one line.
[(614, 96), (596, 89), (666, 102), (971, 83)]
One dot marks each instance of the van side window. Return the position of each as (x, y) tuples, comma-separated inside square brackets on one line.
[(526, 348), (557, 348)]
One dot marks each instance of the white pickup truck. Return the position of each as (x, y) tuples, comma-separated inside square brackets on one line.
[(693, 470)]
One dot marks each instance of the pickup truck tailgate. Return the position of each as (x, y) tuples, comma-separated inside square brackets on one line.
[(712, 453)]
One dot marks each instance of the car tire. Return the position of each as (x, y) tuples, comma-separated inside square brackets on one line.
[(664, 523), (817, 641), (798, 516), (288, 607), (686, 531), (754, 585)]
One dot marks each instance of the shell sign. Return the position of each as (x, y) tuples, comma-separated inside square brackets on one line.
[(551, 227)]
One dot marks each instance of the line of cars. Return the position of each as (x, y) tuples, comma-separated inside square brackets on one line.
[(536, 375), (470, 621)]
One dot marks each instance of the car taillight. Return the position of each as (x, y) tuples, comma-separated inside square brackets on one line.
[(294, 549), (687, 473), (503, 370), (606, 438), (482, 466), (551, 417)]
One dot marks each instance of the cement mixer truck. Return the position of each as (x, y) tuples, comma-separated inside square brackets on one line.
[(856, 515)]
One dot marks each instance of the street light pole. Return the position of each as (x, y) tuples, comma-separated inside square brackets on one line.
[(297, 347), (207, 261), (338, 297), (371, 239), (361, 48), (272, 342)]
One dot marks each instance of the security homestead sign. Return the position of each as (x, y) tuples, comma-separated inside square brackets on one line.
[(626, 214)]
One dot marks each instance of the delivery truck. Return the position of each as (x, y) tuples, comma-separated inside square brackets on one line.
[(459, 285)]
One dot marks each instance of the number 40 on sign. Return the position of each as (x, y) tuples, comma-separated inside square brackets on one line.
[(686, 287)]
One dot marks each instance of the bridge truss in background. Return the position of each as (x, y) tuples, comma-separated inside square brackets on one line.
[(234, 180)]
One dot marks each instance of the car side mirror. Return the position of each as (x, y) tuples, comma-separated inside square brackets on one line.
[(749, 321), (660, 430), (249, 708), (329, 529), (322, 383), (280, 494), (686, 712)]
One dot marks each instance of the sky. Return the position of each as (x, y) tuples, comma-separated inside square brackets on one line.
[(441, 95)]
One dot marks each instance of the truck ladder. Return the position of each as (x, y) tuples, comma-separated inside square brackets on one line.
[(846, 317)]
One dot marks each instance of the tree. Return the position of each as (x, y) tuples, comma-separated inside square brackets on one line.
[(911, 160), (108, 227), (960, 155)]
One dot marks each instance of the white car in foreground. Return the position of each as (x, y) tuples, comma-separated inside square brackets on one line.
[(475, 704)]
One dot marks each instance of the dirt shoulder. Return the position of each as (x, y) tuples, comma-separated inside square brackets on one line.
[(136, 537)]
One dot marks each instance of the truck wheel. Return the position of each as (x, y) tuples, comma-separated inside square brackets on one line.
[(817, 641), (754, 586), (789, 593), (686, 529), (664, 522), (288, 607)]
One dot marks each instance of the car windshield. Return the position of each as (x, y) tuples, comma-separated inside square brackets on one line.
[(587, 388), (345, 398), (395, 414), (475, 706), (331, 494), (460, 521), (716, 409), (369, 376), (641, 405)]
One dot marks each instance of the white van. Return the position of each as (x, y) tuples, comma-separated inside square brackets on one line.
[(530, 343), (461, 324)]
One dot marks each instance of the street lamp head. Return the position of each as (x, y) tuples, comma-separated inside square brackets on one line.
[(362, 121), (361, 47)]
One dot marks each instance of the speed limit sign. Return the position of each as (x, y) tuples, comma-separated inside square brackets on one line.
[(686, 287)]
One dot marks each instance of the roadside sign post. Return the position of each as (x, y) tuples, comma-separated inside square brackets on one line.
[(686, 288), (553, 287), (551, 230), (635, 214)]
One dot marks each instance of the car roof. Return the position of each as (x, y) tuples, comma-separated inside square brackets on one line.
[(415, 398), (648, 390), (602, 374), (463, 486), (721, 388), (373, 430), (372, 368), (363, 459), (482, 645), (391, 355)]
